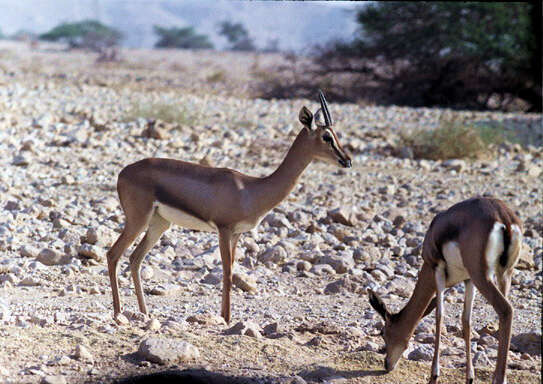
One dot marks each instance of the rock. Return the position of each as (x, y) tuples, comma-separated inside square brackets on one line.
[(29, 281), (152, 131), (322, 269), (534, 171), (121, 319), (206, 319), (12, 206), (147, 273), (28, 251), (82, 353), (53, 379), (244, 282), (247, 328), (21, 160), (211, 279), (167, 351), (276, 255), (274, 330), (529, 342), (153, 325), (91, 252), (405, 153), (370, 347), (50, 257), (5, 312), (454, 165), (388, 189), (480, 359), (342, 215), (303, 265), (91, 237), (341, 263), (421, 353), (251, 245), (164, 290), (343, 284)]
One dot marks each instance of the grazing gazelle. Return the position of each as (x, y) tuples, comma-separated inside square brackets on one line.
[(474, 241), (156, 192)]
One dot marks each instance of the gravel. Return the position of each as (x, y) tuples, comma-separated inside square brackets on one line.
[(64, 138)]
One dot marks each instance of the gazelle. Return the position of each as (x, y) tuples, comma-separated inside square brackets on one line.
[(474, 241), (156, 192)]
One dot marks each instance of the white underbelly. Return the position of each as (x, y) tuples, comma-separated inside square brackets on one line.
[(184, 219), (456, 272)]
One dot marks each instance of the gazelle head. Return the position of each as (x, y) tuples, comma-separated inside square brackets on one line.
[(324, 141), (396, 341)]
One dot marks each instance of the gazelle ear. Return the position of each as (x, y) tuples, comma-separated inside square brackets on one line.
[(378, 305), (318, 118), (306, 117)]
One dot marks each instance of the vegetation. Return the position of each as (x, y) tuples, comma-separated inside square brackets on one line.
[(167, 112), (457, 54), (237, 36), (185, 38), (453, 140), (87, 34)]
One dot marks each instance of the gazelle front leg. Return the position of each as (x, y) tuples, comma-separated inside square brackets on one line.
[(225, 246), (440, 287), (469, 295)]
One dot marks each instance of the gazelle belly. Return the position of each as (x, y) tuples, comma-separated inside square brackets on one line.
[(456, 272), (184, 219)]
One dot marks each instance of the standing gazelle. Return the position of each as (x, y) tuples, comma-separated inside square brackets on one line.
[(474, 241), (156, 192)]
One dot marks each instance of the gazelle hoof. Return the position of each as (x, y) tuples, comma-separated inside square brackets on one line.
[(434, 380)]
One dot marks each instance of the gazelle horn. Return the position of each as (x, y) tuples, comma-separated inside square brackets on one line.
[(324, 106)]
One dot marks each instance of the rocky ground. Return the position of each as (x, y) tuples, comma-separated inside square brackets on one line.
[(300, 309)]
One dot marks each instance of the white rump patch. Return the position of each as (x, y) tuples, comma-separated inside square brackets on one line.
[(456, 272), (513, 252), (184, 219), (494, 248)]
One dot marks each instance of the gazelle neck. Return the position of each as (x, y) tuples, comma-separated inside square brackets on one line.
[(409, 317), (278, 185)]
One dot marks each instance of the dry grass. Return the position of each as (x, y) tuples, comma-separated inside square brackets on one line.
[(216, 77), (453, 140), (167, 112)]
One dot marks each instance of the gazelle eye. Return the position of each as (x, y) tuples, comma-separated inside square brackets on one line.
[(326, 137)]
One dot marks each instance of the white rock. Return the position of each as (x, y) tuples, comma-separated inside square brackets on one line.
[(167, 351)]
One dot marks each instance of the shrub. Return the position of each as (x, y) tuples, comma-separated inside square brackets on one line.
[(167, 112), (88, 34), (237, 35), (457, 54), (185, 38), (453, 140)]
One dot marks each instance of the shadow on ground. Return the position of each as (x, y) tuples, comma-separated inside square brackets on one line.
[(192, 376)]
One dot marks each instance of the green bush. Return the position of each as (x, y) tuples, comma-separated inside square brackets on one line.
[(473, 55), (237, 36), (89, 34), (185, 38)]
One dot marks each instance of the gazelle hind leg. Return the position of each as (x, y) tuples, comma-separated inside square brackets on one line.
[(440, 288), (469, 295), (130, 232), (505, 314), (157, 226)]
